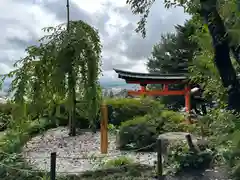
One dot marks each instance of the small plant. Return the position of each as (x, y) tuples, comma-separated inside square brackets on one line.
[(181, 159), (118, 162), (112, 128)]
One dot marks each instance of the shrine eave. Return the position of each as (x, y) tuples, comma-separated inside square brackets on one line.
[(134, 76)]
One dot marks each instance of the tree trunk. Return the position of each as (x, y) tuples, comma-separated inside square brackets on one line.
[(72, 94), (221, 52)]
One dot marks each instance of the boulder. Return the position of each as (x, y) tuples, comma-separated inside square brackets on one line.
[(170, 138)]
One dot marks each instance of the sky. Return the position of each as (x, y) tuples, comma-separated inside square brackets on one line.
[(22, 22)]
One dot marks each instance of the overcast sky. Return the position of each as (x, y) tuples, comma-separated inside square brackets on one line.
[(22, 21)]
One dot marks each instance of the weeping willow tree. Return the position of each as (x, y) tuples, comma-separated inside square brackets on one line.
[(64, 63)]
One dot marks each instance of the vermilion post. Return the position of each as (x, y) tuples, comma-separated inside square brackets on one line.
[(165, 87), (143, 88), (104, 129)]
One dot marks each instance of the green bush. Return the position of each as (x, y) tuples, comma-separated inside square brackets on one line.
[(5, 115), (118, 162), (7, 108), (142, 131), (5, 120), (223, 128), (172, 122), (125, 109), (181, 159), (137, 133), (11, 144)]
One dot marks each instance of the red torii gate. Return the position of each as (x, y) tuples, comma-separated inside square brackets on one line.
[(143, 79)]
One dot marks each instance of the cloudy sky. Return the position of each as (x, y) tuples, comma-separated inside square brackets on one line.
[(22, 21)]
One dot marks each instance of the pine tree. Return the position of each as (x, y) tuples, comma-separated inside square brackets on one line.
[(173, 55)]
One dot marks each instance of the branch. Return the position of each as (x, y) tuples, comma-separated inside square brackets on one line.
[(141, 7)]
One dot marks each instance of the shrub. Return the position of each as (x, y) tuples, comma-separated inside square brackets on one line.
[(7, 108), (137, 133), (223, 127), (143, 131), (5, 120), (11, 144), (125, 109), (181, 159), (118, 162), (172, 122)]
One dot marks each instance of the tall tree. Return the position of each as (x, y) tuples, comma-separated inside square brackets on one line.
[(174, 52), (222, 39), (172, 55)]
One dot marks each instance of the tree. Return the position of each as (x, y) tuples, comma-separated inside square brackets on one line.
[(173, 55), (174, 52), (64, 63), (223, 41)]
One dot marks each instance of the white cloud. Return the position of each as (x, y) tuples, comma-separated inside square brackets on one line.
[(23, 20), (4, 68)]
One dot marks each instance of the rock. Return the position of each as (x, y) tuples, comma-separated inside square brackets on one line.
[(172, 138)]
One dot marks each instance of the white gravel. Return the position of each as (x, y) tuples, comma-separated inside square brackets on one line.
[(75, 154)]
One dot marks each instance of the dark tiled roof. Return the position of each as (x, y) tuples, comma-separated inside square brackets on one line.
[(150, 76)]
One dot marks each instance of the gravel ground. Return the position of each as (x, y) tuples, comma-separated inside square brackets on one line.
[(82, 153), (75, 154)]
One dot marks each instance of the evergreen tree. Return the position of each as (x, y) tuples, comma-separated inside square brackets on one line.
[(172, 55), (174, 52)]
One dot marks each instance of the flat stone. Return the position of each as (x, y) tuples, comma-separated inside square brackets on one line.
[(174, 136), (171, 138)]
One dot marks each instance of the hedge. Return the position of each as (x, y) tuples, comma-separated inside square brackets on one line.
[(142, 131), (120, 110), (125, 109)]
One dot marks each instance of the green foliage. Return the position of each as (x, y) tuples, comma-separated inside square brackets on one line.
[(112, 128), (5, 120), (118, 162), (223, 130), (7, 108), (11, 144), (142, 131), (173, 55), (181, 159), (174, 52), (137, 133), (64, 63), (126, 108)]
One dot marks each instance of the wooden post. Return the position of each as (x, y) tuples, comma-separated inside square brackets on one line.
[(190, 144), (159, 160), (188, 102), (53, 166), (104, 129)]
